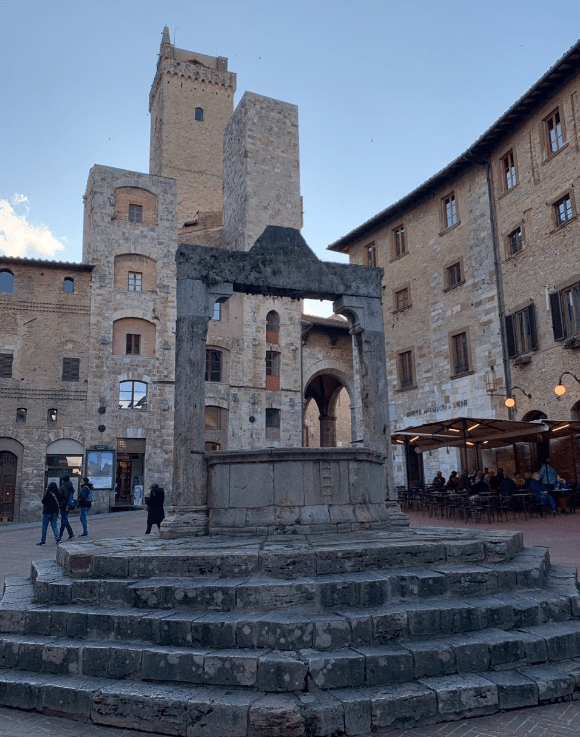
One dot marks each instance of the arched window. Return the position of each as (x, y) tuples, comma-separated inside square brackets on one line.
[(68, 285), (132, 395), (6, 281), (272, 327), (199, 113), (213, 365)]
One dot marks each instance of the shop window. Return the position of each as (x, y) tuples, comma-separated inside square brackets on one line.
[(213, 365), (68, 285), (521, 334), (6, 281), (51, 417), (272, 371), (70, 369), (21, 415), (272, 327), (6, 360), (132, 395)]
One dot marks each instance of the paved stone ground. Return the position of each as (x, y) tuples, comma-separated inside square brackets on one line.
[(18, 548)]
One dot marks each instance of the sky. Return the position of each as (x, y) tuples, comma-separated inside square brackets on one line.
[(388, 93)]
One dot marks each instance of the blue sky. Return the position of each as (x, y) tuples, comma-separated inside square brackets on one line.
[(388, 93)]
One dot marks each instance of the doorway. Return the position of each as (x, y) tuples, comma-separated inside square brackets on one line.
[(130, 472), (8, 464)]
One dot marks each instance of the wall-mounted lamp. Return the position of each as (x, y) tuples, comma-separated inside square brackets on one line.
[(511, 402), (561, 389)]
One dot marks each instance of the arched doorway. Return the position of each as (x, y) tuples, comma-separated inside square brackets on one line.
[(8, 466), (64, 457), (327, 415)]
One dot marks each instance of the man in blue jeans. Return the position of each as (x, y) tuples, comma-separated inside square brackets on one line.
[(49, 513), (85, 494), (64, 492)]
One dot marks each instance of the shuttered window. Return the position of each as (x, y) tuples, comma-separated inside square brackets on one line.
[(521, 333), (70, 369), (6, 365)]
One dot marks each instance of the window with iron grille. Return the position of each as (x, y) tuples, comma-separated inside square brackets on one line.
[(6, 360), (70, 369), (135, 281), (135, 213), (399, 244), (213, 365), (460, 354), (133, 344)]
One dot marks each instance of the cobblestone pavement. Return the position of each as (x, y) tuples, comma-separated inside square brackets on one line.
[(18, 548)]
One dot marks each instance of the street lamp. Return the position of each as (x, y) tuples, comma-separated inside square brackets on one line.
[(561, 389), (511, 402)]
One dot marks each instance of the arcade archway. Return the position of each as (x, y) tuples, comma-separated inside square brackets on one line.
[(327, 414)]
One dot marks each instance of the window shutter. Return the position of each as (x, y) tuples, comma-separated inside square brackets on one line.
[(510, 336), (557, 321), (533, 331)]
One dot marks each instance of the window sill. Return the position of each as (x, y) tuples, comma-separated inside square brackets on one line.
[(462, 374), (510, 256), (549, 156), (397, 258), (407, 388), (443, 231), (563, 225), (402, 309), (522, 360), (505, 192), (454, 286)]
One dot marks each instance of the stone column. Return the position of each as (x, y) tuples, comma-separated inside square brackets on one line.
[(327, 430), (188, 514), (372, 427)]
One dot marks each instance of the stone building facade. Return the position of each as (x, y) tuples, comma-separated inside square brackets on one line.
[(120, 413), (481, 278)]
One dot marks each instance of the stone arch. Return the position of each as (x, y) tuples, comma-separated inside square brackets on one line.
[(130, 195), (135, 263), (134, 326), (324, 388), (575, 411)]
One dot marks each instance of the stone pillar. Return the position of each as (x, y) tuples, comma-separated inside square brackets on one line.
[(327, 430), (187, 514)]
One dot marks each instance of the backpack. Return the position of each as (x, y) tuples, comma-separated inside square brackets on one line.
[(71, 504), (91, 496)]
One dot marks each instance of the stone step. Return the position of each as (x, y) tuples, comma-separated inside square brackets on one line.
[(299, 670), (285, 556), (358, 589), (210, 711), (291, 628)]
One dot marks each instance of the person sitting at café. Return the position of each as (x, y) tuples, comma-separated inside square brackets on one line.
[(439, 480), (463, 481), (543, 497), (507, 486), (481, 485), (519, 481), (451, 484), (563, 494)]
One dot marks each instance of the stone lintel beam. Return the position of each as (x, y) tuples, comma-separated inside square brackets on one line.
[(279, 264)]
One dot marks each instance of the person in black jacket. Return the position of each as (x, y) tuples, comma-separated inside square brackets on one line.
[(155, 512), (64, 492), (85, 494), (49, 512)]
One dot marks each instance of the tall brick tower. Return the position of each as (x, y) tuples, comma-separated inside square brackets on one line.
[(191, 102)]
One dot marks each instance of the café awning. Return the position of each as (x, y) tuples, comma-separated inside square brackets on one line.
[(471, 432)]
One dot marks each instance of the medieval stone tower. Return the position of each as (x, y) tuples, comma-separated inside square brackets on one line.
[(191, 102)]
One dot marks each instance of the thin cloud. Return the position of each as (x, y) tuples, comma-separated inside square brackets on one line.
[(20, 238)]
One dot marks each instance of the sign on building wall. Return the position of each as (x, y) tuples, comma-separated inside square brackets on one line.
[(101, 468)]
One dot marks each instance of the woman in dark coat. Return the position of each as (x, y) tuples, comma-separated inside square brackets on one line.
[(155, 513)]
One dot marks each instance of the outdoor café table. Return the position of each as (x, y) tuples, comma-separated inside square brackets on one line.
[(520, 500)]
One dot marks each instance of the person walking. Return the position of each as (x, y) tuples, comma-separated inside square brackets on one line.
[(64, 496), (155, 512), (49, 513), (86, 497)]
